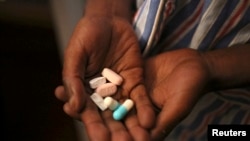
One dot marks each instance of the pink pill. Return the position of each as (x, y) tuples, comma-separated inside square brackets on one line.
[(112, 76), (106, 89)]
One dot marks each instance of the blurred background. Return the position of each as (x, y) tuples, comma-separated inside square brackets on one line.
[(33, 34)]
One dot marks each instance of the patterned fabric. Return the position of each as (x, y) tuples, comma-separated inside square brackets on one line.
[(163, 25), (225, 107)]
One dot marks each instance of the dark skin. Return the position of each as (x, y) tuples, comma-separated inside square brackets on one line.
[(95, 44), (176, 80), (104, 38)]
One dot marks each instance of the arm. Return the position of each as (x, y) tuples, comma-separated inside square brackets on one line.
[(110, 8), (229, 67), (177, 79)]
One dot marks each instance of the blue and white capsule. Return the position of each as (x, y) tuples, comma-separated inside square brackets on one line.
[(123, 109)]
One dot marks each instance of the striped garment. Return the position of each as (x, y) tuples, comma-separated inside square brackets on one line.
[(163, 25)]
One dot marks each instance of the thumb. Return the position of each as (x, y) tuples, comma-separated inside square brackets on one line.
[(144, 107), (170, 115)]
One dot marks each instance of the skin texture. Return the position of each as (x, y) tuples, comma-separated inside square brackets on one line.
[(177, 79), (174, 80), (95, 44)]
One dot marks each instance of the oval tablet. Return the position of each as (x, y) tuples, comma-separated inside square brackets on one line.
[(106, 89), (112, 76)]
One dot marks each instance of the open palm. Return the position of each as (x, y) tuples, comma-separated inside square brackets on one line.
[(175, 81), (95, 44)]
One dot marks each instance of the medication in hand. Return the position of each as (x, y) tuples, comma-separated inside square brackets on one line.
[(111, 103), (98, 100), (112, 76), (123, 109), (106, 89), (96, 82)]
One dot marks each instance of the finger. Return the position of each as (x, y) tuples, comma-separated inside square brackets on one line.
[(167, 119), (137, 132), (75, 90), (73, 73), (117, 129), (60, 94), (95, 127), (68, 110), (137, 93), (144, 107)]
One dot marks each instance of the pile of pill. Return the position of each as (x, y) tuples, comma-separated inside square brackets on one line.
[(105, 86)]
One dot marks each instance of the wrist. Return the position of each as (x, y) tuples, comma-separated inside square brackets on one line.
[(228, 67), (109, 9), (211, 69)]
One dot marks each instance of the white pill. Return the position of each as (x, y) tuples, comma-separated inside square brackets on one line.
[(98, 100), (112, 76), (111, 103), (106, 89), (96, 82), (123, 109)]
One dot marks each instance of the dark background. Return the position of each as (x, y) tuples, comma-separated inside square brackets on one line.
[(30, 69)]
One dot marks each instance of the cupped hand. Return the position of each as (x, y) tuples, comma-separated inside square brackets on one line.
[(97, 43), (175, 81)]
